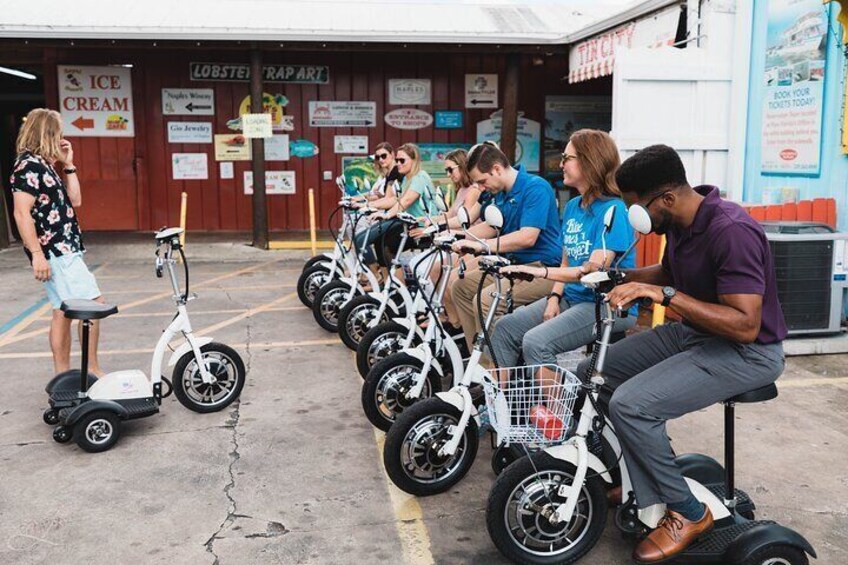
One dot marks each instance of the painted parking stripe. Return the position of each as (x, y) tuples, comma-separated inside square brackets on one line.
[(409, 519), (170, 313), (17, 319)]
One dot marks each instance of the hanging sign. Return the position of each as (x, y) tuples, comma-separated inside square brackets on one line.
[(277, 148), (303, 148), (351, 144), (342, 114), (271, 104), (232, 147), (188, 102), (481, 91), (409, 91), (794, 87), (276, 182), (96, 101), (189, 166), (240, 72), (226, 170), (189, 132), (256, 125), (408, 118), (449, 119)]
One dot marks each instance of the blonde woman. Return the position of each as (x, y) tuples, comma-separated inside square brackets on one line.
[(46, 190)]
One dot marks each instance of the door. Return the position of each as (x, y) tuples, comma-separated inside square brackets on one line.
[(679, 97)]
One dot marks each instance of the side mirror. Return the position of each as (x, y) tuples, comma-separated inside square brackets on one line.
[(609, 217), (640, 219), (367, 185), (462, 216), (441, 206), (494, 217)]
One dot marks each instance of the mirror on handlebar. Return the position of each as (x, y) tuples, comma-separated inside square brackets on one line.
[(639, 219), (441, 205), (494, 217), (463, 217), (367, 187), (609, 217)]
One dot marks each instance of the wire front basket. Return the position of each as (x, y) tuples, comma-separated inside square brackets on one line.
[(531, 405)]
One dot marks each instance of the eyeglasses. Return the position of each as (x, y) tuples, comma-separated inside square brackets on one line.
[(565, 158), (381, 156), (400, 160), (651, 201), (450, 170)]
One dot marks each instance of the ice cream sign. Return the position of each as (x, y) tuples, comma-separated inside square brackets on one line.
[(96, 101)]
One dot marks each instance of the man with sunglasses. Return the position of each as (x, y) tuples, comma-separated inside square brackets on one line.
[(718, 275), (530, 234)]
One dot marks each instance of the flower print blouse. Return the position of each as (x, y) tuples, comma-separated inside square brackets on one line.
[(55, 220)]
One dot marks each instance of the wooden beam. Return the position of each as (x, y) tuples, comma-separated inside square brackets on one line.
[(260, 199), (509, 125)]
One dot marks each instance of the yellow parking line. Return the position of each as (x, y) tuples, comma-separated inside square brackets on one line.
[(209, 289), (243, 315), (170, 313), (253, 345), (414, 538)]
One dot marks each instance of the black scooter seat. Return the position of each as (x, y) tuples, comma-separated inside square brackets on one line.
[(757, 395), (87, 310)]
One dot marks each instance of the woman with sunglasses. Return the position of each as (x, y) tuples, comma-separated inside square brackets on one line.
[(382, 196), (565, 319)]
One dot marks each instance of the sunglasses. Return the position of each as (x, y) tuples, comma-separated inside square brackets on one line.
[(450, 170), (381, 156), (400, 160), (565, 158)]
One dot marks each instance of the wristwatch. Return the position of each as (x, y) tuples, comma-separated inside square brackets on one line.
[(668, 294), (69, 170), (558, 295)]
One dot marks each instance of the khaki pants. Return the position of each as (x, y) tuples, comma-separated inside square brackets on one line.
[(464, 295)]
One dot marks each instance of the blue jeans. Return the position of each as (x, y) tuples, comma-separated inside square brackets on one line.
[(375, 236)]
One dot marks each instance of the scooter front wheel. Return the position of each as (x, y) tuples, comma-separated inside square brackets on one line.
[(385, 387), (355, 317), (226, 368), (411, 452), (310, 281), (379, 342), (523, 498), (328, 302)]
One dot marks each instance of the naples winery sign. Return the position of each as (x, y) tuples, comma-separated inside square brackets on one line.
[(238, 72)]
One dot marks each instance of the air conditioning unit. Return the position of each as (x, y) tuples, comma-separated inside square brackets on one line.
[(811, 262)]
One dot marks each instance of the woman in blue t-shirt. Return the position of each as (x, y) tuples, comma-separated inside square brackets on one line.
[(565, 319)]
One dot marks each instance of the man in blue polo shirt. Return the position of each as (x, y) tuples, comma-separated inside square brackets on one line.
[(530, 234)]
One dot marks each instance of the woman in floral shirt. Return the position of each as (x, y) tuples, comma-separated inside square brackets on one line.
[(45, 216)]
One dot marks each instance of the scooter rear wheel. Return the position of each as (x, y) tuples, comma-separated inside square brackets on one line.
[(97, 431), (225, 365), (519, 529), (383, 391), (778, 554)]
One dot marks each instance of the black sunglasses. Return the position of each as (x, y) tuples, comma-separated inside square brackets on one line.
[(450, 170), (400, 160), (381, 156)]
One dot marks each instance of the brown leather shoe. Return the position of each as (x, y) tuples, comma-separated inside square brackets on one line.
[(674, 533), (614, 496)]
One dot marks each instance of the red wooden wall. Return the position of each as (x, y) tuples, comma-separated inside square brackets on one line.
[(129, 182)]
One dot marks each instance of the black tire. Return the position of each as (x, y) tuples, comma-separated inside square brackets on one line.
[(778, 554), (226, 366), (529, 483), (382, 394), (314, 260), (62, 434), (310, 281), (504, 456), (327, 304), (354, 319), (50, 416), (97, 431), (378, 343), (428, 421)]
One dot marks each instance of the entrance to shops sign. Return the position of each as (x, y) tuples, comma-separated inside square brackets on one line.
[(240, 72)]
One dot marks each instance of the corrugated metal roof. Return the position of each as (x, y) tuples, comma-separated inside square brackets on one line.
[(413, 21)]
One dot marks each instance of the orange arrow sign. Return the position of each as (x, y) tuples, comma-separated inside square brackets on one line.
[(83, 123)]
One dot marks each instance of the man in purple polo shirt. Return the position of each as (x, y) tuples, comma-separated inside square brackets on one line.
[(717, 274)]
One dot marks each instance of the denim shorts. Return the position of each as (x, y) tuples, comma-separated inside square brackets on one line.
[(70, 279)]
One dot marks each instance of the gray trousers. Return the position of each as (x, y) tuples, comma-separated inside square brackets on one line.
[(663, 374), (524, 332)]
